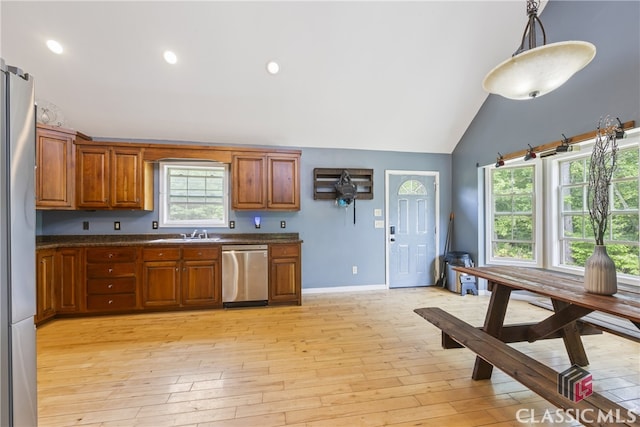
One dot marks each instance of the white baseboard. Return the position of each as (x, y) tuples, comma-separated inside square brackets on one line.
[(332, 289)]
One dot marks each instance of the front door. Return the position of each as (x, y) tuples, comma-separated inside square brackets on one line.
[(411, 228)]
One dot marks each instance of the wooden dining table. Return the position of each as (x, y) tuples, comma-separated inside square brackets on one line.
[(570, 303)]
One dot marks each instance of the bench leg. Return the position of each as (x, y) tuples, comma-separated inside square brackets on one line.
[(571, 338), (493, 323)]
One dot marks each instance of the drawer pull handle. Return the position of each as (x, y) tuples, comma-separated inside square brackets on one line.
[(110, 285), (110, 301)]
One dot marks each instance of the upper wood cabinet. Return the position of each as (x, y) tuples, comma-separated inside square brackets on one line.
[(55, 167), (113, 178), (265, 181)]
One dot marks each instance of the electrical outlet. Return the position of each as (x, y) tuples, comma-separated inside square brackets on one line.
[(154, 225), (283, 224), (354, 269), (85, 225), (116, 225), (232, 224)]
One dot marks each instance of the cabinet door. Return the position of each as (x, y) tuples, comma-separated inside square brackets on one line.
[(126, 178), (92, 177), (285, 274), (283, 182), (55, 167), (70, 278), (200, 283), (161, 283), (249, 182), (45, 282)]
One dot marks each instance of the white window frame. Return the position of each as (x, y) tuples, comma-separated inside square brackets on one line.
[(164, 221), (547, 208), (537, 260), (553, 217)]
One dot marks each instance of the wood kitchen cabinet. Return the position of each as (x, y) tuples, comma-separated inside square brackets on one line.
[(68, 289), (55, 167), (113, 178), (111, 278), (181, 276), (201, 279), (161, 276), (265, 181), (45, 284), (285, 276)]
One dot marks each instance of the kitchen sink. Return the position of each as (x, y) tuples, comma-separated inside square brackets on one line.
[(187, 240)]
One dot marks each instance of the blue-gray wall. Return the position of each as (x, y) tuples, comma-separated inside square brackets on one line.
[(332, 243), (609, 85)]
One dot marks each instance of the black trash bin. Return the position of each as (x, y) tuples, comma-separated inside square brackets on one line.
[(453, 259)]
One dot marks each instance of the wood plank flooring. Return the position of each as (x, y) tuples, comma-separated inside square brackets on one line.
[(344, 359)]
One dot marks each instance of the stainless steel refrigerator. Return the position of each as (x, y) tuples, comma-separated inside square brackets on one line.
[(17, 249)]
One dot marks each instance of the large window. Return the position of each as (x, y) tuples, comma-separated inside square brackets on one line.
[(518, 208), (512, 214), (193, 194), (575, 232)]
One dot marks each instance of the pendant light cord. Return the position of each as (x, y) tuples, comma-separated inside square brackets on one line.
[(532, 12)]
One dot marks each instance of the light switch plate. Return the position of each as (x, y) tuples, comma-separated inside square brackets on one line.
[(379, 223), (377, 212)]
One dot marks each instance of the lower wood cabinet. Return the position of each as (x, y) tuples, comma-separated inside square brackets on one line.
[(181, 276), (105, 279), (45, 284), (68, 290), (111, 278), (285, 273), (201, 279)]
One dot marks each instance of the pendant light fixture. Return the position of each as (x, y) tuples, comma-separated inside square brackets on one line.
[(537, 70)]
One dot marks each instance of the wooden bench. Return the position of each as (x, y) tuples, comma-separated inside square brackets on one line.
[(539, 378), (606, 322)]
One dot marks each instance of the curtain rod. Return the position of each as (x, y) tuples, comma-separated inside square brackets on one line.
[(571, 140)]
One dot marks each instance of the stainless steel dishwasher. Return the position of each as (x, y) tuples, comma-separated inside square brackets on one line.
[(245, 279)]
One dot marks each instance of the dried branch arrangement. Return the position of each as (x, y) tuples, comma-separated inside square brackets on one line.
[(601, 168)]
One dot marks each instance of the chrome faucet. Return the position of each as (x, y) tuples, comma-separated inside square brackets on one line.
[(194, 234)]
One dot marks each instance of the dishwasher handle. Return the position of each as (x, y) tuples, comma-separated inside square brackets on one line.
[(227, 248)]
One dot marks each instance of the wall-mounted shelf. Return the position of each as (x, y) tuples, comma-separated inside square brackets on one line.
[(324, 181)]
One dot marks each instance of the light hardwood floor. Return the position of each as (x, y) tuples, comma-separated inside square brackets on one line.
[(344, 359)]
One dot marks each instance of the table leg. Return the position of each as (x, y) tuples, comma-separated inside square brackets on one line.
[(493, 323), (572, 339)]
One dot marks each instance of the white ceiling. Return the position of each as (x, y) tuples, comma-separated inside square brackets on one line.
[(383, 75)]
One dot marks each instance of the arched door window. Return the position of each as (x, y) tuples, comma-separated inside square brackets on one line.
[(412, 187)]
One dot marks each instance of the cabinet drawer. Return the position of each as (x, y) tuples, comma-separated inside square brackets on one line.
[(111, 254), (111, 302), (160, 254), (122, 269), (111, 286), (284, 250), (201, 253)]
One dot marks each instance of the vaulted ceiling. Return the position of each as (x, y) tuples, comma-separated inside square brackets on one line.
[(381, 75)]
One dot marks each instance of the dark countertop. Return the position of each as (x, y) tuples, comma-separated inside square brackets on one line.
[(46, 242)]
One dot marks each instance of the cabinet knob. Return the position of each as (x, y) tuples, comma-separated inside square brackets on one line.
[(110, 285), (110, 255), (160, 254), (111, 270), (177, 269), (110, 301)]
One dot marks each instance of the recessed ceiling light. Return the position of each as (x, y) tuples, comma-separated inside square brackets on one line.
[(170, 57), (273, 67), (54, 46)]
